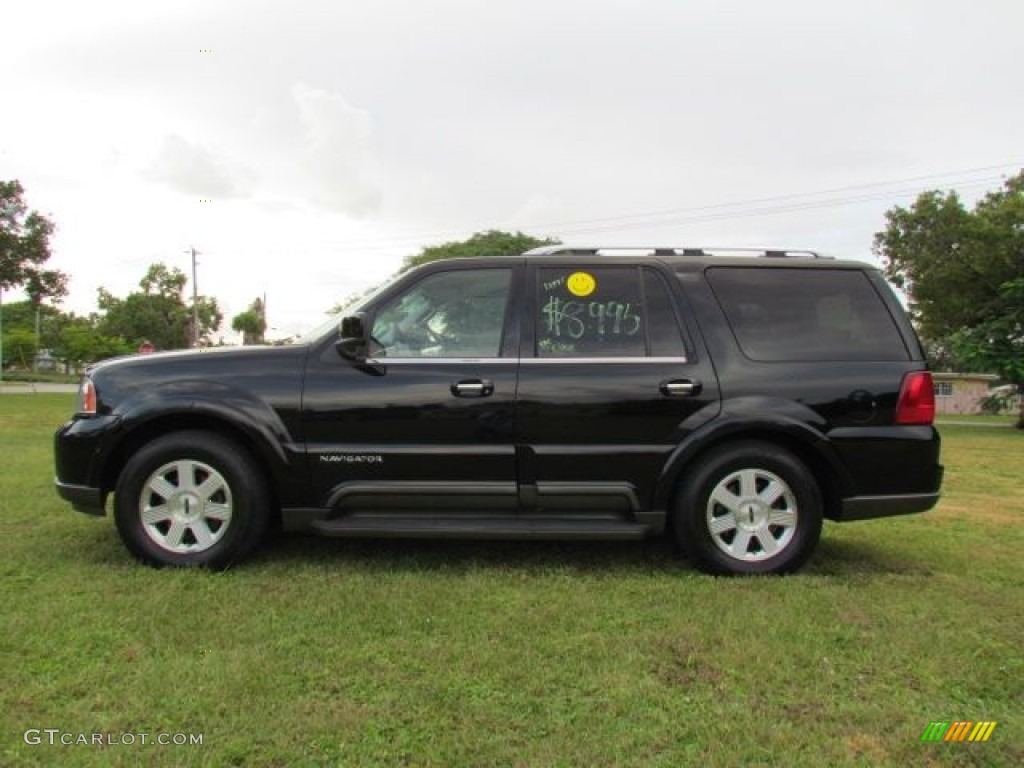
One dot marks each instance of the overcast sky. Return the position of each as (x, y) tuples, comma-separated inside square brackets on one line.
[(305, 147)]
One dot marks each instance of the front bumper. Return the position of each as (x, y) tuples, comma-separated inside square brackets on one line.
[(91, 501), (80, 446)]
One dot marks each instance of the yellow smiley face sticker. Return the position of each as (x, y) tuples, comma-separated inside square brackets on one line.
[(581, 284)]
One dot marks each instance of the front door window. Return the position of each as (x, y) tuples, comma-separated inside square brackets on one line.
[(457, 314)]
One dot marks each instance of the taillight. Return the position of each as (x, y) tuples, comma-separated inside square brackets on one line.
[(87, 397), (917, 399)]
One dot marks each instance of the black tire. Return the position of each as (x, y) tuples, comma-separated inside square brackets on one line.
[(191, 499), (748, 508)]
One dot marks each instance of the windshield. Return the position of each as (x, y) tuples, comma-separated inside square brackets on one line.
[(331, 323), (319, 331)]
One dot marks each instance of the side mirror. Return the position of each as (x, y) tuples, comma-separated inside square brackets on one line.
[(352, 345)]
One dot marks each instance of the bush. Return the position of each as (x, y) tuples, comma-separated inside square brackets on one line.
[(999, 400)]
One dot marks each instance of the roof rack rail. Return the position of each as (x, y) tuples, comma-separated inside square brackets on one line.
[(680, 250)]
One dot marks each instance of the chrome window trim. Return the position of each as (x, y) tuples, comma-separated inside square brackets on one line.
[(525, 360), (441, 360), (604, 360)]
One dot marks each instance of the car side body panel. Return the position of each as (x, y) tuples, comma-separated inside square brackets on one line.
[(535, 437)]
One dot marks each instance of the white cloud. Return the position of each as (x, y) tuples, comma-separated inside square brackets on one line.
[(197, 171), (336, 158)]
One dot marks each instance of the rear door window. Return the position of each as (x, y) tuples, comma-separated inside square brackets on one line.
[(789, 315), (599, 312)]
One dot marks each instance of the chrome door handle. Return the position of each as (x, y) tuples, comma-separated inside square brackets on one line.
[(473, 388), (680, 388)]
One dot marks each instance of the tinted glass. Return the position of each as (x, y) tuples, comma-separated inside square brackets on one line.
[(448, 314), (585, 311), (806, 314), (662, 327)]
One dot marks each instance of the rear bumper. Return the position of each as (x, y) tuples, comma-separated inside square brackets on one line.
[(892, 471), (82, 497), (870, 507)]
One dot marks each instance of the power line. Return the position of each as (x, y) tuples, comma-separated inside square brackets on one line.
[(759, 206), (763, 210), (797, 195)]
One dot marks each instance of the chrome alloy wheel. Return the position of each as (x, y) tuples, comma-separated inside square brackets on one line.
[(752, 515), (185, 506)]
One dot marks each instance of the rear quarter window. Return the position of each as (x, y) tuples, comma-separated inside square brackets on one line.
[(790, 315)]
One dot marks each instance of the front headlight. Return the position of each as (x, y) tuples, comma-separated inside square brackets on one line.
[(86, 398)]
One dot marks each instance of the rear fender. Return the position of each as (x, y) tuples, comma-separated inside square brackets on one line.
[(789, 424)]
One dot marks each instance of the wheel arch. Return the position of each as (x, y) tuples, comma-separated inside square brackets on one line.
[(269, 459), (807, 444)]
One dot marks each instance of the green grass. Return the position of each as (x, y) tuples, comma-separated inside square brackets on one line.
[(1007, 419), (327, 652)]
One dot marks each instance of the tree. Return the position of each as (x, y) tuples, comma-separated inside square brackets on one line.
[(26, 320), (963, 271), (252, 323), (21, 316), (81, 342), (24, 248), (42, 284), (73, 338), (161, 281), (19, 347), (158, 313), (24, 237), (493, 242)]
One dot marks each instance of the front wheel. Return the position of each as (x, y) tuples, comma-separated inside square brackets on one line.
[(748, 508), (189, 499)]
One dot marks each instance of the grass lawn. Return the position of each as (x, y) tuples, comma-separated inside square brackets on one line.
[(329, 652), (1005, 419)]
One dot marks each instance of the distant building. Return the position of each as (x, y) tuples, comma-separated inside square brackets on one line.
[(960, 392)]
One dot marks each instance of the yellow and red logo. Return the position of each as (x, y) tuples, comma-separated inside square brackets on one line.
[(960, 730)]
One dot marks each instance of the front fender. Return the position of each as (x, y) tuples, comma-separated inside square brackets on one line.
[(191, 404)]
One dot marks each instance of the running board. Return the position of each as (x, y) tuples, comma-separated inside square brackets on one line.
[(489, 527)]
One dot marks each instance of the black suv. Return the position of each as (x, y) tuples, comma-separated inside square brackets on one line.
[(731, 400)]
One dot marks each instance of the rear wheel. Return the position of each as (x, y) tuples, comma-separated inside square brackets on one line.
[(190, 499), (748, 508)]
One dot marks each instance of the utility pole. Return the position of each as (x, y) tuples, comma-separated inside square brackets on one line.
[(195, 301), (35, 360)]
